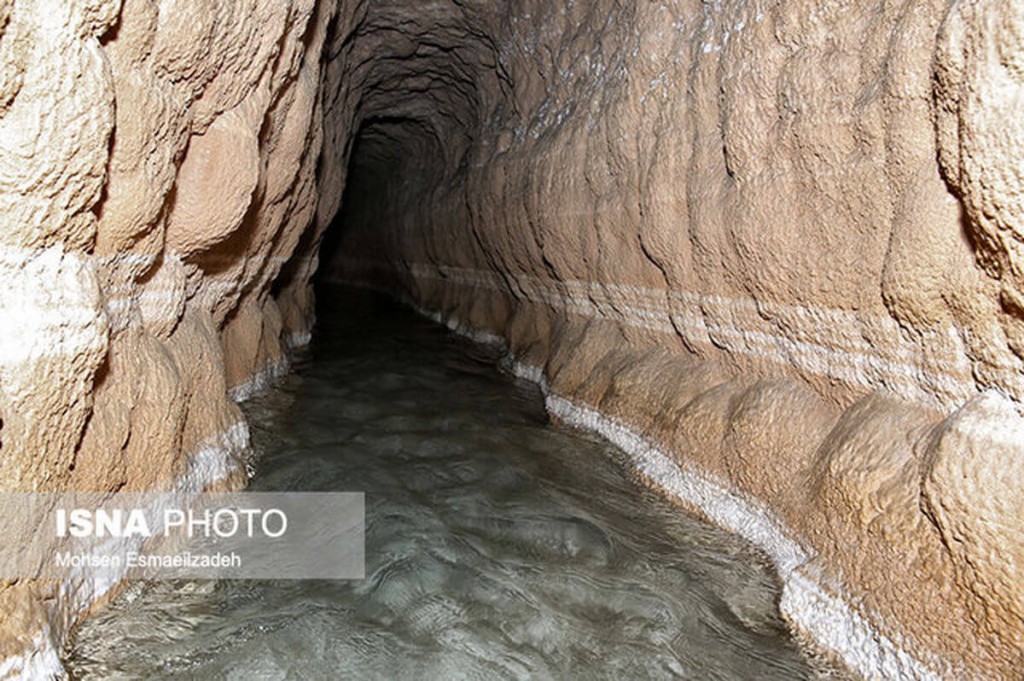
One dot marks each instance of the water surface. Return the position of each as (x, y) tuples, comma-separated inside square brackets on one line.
[(498, 545)]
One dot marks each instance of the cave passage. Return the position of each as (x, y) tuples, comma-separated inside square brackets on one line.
[(498, 545), (774, 251)]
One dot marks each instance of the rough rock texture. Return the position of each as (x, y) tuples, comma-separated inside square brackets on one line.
[(773, 247), (779, 242), (157, 169)]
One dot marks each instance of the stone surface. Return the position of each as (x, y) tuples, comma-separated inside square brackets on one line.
[(775, 239), (778, 242)]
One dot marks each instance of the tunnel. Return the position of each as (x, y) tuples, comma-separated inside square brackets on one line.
[(746, 267)]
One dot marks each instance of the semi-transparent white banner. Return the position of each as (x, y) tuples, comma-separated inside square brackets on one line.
[(244, 535)]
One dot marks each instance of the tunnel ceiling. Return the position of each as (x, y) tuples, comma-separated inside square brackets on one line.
[(433, 71)]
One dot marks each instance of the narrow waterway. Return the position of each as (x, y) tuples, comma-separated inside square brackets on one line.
[(498, 545)]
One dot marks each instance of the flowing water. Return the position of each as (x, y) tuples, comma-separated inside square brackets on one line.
[(498, 545)]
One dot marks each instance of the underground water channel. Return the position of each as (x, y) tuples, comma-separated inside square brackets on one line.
[(498, 545)]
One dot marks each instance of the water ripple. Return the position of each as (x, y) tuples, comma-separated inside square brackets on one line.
[(498, 546)]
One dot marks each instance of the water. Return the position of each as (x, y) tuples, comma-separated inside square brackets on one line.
[(498, 545)]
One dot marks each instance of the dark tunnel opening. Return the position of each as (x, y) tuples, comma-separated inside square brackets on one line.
[(425, 94), (395, 165)]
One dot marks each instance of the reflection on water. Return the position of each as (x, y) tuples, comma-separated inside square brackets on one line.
[(498, 546)]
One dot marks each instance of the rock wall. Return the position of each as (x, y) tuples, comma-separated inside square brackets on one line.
[(771, 248), (157, 169)]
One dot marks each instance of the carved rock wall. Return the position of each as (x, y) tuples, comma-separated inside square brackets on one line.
[(157, 169), (771, 244)]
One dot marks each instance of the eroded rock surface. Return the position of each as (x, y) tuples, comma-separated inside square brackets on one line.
[(778, 243)]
